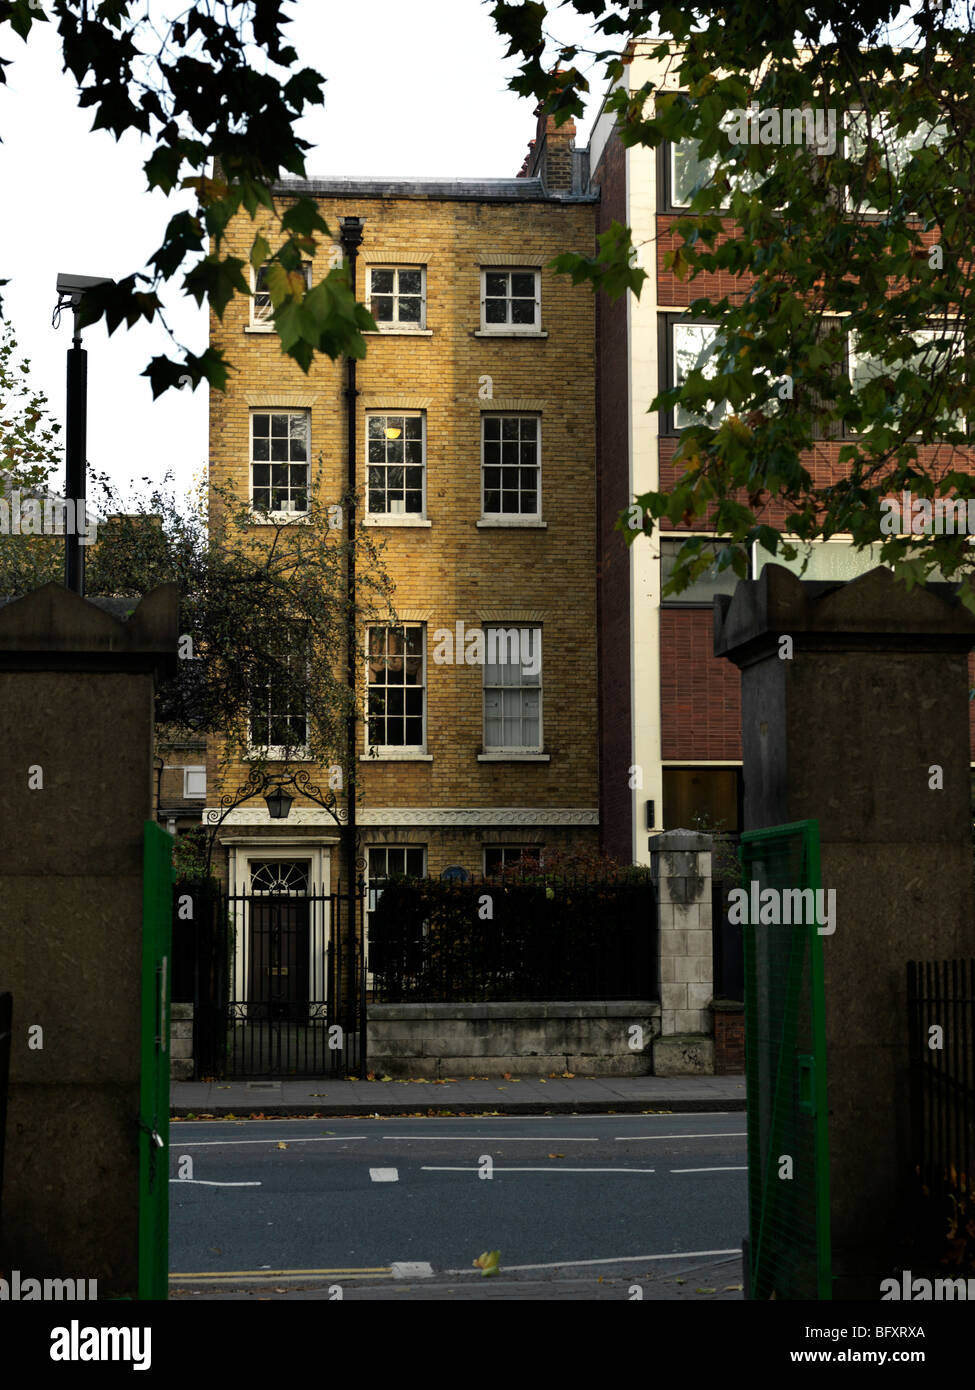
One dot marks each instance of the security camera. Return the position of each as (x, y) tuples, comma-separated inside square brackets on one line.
[(72, 287)]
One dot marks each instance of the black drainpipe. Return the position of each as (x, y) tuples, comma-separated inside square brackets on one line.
[(351, 239)]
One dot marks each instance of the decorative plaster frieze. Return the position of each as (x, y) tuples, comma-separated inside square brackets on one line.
[(422, 816)]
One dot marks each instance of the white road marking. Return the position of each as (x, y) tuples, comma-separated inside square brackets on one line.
[(480, 1138), (743, 1169), (430, 1168), (619, 1260), (385, 1174), (201, 1182), (222, 1143), (412, 1269), (718, 1134)]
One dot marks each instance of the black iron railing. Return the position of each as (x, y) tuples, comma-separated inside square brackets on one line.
[(275, 984), (726, 943), (511, 938), (941, 1011)]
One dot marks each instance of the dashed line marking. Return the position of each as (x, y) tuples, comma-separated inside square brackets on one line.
[(433, 1168), (202, 1182), (742, 1169), (385, 1174)]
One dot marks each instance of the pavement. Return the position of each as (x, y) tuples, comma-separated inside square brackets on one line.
[(514, 1095), (704, 1281)]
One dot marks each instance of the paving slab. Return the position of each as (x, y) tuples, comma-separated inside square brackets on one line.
[(525, 1095)]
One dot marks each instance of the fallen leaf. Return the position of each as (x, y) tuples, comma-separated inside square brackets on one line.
[(282, 1145), (680, 1281), (488, 1263), (370, 1076), (556, 1155), (704, 1290), (569, 1074), (733, 1288), (506, 1075)]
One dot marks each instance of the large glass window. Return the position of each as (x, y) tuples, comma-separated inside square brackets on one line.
[(280, 447), (510, 300), (397, 296), (396, 707), (510, 448), (395, 450), (513, 689), (703, 589)]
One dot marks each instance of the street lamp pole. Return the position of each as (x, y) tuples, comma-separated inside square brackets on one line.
[(71, 289), (351, 239)]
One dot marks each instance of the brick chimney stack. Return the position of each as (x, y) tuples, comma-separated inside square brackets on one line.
[(550, 153)]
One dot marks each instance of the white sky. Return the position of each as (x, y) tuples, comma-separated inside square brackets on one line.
[(412, 90)]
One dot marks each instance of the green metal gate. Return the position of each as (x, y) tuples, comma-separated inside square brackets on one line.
[(157, 899), (785, 1063)]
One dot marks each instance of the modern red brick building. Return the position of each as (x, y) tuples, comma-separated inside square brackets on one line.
[(670, 711)]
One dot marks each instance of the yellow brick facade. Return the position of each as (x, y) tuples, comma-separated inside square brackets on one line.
[(450, 803)]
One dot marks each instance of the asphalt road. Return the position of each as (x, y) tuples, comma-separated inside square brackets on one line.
[(354, 1203)]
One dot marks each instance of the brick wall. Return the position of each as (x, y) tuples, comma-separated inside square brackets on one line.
[(454, 570), (700, 693), (729, 1039)]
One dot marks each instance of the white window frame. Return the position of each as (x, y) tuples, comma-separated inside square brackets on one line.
[(270, 517), (420, 415), (508, 328), (188, 773), (262, 314), (536, 515), (537, 646), (392, 749), (396, 324)]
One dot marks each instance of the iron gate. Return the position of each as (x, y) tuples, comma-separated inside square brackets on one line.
[(278, 985), (785, 1064)]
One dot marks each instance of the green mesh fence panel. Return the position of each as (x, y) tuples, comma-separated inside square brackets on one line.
[(785, 1064), (157, 909)]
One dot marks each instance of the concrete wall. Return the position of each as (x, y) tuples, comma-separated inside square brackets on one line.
[(862, 724), (181, 1042), (458, 1040), (76, 723), (681, 868)]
